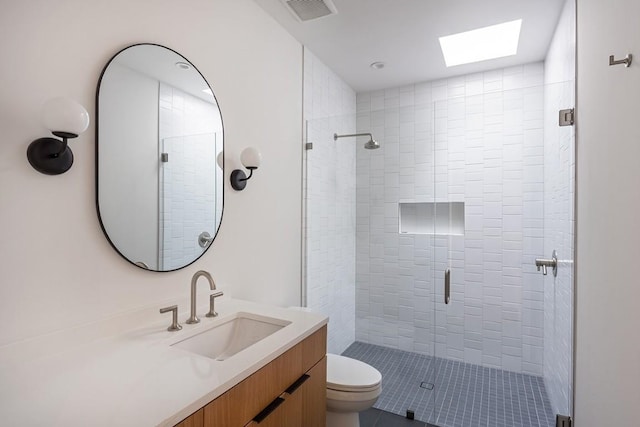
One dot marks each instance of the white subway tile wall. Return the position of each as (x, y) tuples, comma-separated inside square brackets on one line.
[(330, 199), (476, 139), (559, 196), (188, 180)]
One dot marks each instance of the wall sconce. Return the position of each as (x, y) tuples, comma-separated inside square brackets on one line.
[(250, 158), (66, 119)]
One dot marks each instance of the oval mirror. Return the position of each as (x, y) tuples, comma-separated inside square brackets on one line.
[(159, 132)]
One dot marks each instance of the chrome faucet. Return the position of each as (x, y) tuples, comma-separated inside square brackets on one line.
[(194, 280)]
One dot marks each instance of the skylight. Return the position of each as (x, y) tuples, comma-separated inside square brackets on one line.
[(496, 41)]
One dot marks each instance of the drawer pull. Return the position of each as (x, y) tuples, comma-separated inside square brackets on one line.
[(293, 387), (268, 410)]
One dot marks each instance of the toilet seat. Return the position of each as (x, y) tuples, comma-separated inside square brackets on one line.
[(349, 375)]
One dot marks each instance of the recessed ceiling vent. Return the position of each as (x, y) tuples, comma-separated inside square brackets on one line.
[(306, 10)]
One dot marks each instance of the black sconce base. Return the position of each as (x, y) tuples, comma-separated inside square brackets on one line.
[(45, 156), (238, 180)]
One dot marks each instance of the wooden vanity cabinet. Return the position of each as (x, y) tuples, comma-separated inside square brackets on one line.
[(288, 392)]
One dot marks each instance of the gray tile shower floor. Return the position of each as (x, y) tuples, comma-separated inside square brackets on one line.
[(463, 395), (376, 418)]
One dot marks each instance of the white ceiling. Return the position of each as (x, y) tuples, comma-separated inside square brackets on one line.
[(404, 34)]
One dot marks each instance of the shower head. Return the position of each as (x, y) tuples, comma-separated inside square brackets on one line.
[(372, 144)]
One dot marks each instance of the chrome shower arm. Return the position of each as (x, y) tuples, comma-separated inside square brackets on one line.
[(336, 136)]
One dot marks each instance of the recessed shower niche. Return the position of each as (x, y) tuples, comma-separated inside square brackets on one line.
[(436, 218)]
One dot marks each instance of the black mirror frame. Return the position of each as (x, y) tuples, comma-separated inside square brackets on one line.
[(97, 144)]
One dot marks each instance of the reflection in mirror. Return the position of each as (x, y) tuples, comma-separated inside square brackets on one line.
[(159, 132)]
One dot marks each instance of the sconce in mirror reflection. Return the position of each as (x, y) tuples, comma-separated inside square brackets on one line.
[(220, 160), (250, 158), (66, 119)]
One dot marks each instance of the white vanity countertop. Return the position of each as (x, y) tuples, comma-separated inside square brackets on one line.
[(136, 378)]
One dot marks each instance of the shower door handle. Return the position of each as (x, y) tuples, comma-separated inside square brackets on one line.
[(447, 285)]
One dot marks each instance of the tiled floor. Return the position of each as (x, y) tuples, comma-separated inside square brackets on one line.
[(463, 395), (377, 418)]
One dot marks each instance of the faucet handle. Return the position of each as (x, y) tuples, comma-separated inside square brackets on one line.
[(175, 326), (212, 299)]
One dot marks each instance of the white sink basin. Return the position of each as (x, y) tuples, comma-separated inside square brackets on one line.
[(232, 336)]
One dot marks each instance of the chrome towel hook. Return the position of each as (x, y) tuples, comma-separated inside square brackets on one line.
[(626, 61)]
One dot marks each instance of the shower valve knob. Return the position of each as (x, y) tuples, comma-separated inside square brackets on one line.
[(542, 263)]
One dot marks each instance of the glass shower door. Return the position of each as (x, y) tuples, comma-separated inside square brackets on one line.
[(503, 198), (559, 190), (452, 156), (413, 146)]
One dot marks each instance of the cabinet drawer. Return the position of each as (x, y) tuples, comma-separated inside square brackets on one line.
[(194, 420), (303, 404), (314, 396)]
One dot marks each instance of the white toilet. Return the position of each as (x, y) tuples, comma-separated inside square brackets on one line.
[(352, 386)]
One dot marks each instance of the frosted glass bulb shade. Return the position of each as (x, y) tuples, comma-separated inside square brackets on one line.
[(250, 157), (220, 159), (65, 115)]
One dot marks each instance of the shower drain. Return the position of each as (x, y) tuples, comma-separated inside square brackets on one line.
[(428, 386)]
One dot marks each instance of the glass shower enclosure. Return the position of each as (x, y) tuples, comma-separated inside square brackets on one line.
[(424, 251)]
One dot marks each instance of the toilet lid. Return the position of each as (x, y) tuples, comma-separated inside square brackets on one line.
[(346, 374)]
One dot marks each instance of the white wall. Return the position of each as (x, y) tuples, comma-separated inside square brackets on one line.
[(475, 139), (58, 270), (329, 107), (132, 185), (608, 201), (559, 197)]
